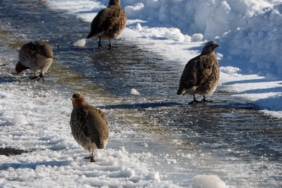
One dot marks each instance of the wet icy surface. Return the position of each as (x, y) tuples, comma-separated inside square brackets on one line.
[(228, 137)]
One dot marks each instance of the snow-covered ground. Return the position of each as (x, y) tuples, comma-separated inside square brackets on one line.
[(35, 117), (249, 35)]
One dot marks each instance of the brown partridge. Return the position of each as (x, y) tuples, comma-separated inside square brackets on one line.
[(201, 74), (108, 23), (37, 56), (89, 126)]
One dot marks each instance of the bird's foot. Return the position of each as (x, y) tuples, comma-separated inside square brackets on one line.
[(91, 158), (112, 46), (39, 77), (194, 102), (33, 77), (204, 101), (100, 45)]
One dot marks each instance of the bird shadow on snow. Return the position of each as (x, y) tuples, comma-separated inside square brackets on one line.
[(215, 104), (262, 91), (259, 83), (243, 81), (72, 48), (141, 105), (7, 79), (33, 166), (272, 103), (232, 105)]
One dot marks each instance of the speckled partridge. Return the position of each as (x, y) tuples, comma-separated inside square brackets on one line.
[(88, 124), (201, 74), (37, 56), (108, 23)]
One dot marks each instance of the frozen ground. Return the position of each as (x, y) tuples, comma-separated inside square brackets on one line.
[(248, 32), (145, 152)]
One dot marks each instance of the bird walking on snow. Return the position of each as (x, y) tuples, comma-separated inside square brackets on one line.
[(37, 56), (108, 23), (201, 74), (88, 124)]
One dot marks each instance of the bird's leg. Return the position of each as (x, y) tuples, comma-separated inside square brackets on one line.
[(194, 100), (40, 76), (37, 77), (91, 157), (33, 77), (204, 99), (110, 44), (99, 43)]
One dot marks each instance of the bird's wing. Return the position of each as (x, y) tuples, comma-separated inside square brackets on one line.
[(78, 122), (115, 18), (105, 20), (45, 50), (189, 77), (29, 48), (97, 125), (205, 68), (99, 20)]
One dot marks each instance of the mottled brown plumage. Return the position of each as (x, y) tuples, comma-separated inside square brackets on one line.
[(108, 23), (201, 74), (88, 124), (37, 56)]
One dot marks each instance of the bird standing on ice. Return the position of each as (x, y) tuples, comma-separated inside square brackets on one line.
[(88, 124), (108, 23), (37, 56), (201, 74)]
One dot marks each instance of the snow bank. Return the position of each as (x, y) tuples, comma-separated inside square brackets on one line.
[(258, 42), (249, 31)]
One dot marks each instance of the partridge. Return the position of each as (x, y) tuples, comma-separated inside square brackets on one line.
[(89, 126), (108, 23), (201, 74), (37, 56)]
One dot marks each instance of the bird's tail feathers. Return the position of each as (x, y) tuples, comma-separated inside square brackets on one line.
[(20, 67), (100, 145), (89, 35), (181, 91)]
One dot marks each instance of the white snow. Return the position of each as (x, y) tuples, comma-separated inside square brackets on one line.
[(208, 181), (134, 92), (80, 43), (249, 35), (39, 123)]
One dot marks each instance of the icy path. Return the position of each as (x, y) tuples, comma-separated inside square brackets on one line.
[(156, 140)]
